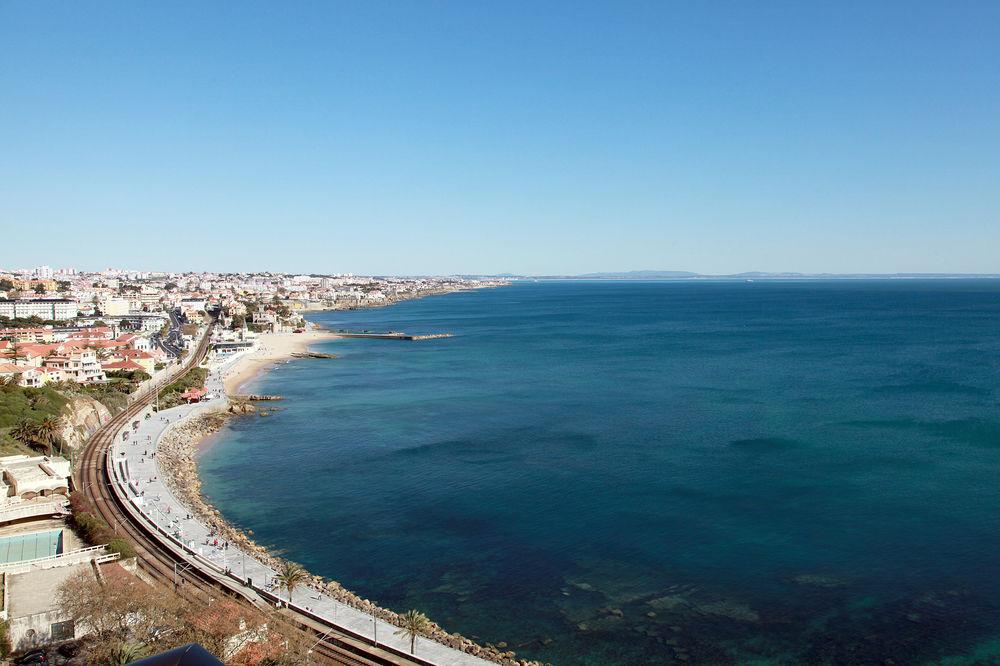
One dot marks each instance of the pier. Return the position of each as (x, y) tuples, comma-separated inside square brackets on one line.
[(392, 335)]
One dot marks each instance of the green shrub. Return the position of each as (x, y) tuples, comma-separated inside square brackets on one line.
[(93, 530), (122, 547)]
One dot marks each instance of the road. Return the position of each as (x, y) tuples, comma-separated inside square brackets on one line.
[(171, 343)]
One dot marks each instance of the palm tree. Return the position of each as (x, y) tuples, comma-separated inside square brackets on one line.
[(25, 432), (291, 576), (414, 623), (47, 432), (14, 353)]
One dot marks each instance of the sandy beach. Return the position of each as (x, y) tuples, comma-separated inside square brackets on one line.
[(271, 348)]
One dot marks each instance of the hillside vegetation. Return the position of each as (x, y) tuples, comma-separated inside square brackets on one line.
[(32, 405)]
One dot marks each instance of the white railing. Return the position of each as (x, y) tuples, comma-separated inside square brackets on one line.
[(33, 509), (99, 553)]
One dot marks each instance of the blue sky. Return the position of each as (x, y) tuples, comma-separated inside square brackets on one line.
[(475, 137)]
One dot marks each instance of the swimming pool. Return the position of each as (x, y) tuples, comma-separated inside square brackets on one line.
[(21, 547)]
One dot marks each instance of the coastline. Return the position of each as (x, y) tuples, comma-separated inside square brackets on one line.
[(180, 446)]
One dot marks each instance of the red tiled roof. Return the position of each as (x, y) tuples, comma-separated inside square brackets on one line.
[(122, 365)]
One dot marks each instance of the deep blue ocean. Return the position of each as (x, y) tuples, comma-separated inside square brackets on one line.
[(645, 473)]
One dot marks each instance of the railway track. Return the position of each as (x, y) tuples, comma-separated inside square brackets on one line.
[(161, 563)]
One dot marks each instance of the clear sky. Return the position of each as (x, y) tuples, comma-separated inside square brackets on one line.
[(482, 137)]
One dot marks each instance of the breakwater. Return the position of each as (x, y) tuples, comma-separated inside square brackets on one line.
[(394, 335)]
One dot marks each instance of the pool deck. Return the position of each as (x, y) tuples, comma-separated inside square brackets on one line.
[(161, 506)]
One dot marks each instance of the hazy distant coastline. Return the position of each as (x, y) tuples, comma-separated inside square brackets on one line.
[(751, 275)]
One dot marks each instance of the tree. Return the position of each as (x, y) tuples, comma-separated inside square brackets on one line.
[(123, 610), (6, 285), (414, 623), (47, 432), (63, 286), (25, 432), (291, 576), (39, 288), (14, 354)]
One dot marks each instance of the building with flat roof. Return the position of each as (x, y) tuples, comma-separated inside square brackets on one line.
[(55, 309), (26, 477)]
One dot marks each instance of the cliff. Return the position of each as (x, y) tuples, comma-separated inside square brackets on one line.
[(81, 417)]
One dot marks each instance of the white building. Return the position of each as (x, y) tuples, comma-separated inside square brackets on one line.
[(26, 477), (114, 307), (56, 309), (192, 306)]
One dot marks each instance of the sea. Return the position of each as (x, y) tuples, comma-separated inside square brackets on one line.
[(624, 473)]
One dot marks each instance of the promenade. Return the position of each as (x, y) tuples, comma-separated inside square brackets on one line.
[(133, 454)]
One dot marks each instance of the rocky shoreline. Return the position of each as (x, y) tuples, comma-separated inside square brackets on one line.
[(176, 459)]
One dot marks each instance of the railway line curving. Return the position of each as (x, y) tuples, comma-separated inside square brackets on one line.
[(160, 560)]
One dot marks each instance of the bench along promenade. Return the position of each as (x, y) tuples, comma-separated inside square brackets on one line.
[(124, 484)]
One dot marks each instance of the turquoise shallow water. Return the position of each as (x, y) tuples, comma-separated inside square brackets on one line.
[(643, 473)]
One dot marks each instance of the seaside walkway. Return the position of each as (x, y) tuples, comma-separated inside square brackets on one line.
[(147, 487)]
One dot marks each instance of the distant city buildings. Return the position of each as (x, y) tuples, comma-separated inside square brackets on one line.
[(63, 325), (48, 309)]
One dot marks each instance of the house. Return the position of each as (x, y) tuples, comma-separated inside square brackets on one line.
[(92, 333), (122, 366), (29, 335), (80, 365), (145, 361), (9, 370), (32, 378), (26, 355)]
